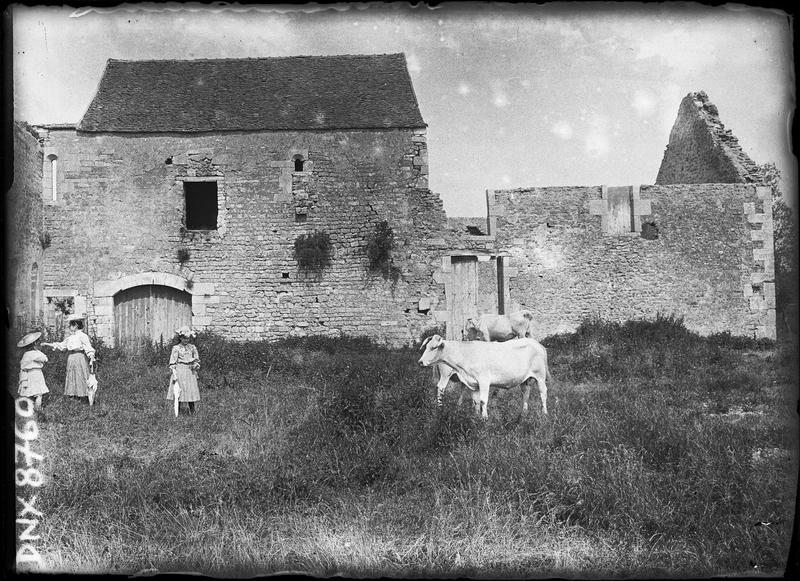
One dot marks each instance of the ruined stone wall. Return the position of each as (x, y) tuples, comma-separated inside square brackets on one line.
[(23, 227), (701, 150), (702, 252), (118, 222)]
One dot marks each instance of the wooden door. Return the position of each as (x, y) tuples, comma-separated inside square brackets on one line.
[(463, 297), (149, 313)]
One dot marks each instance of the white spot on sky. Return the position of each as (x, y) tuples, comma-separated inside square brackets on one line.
[(643, 103), (499, 99), (413, 63), (505, 179), (562, 130), (596, 141), (463, 89)]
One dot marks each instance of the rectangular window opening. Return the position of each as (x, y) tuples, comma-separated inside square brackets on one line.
[(201, 205)]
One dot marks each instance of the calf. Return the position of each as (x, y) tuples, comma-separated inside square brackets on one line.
[(480, 365), (502, 327)]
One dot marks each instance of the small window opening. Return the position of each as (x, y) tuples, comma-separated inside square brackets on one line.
[(298, 163), (201, 205), (475, 231), (284, 275), (51, 176), (300, 217), (168, 161), (649, 230)]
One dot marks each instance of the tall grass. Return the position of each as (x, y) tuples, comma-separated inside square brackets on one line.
[(661, 452)]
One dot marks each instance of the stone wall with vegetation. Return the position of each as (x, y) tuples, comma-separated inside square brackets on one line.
[(120, 214)]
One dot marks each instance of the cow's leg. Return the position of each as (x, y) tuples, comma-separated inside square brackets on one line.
[(483, 389), (460, 395), (542, 390), (526, 393), (476, 400), (440, 387)]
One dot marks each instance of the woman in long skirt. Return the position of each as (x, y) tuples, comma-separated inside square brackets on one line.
[(184, 361), (81, 355)]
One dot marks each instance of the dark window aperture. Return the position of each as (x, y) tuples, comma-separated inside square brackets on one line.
[(201, 205), (298, 163)]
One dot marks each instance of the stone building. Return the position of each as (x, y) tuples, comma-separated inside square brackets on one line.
[(180, 194), (179, 197)]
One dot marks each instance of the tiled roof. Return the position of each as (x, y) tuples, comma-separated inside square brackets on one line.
[(281, 93)]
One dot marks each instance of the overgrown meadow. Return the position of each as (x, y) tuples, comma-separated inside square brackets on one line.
[(664, 454)]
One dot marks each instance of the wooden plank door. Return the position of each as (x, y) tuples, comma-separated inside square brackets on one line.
[(149, 314), (463, 300)]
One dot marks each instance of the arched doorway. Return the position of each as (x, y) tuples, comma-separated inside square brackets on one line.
[(149, 313)]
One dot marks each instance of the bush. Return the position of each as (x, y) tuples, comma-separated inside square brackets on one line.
[(313, 251)]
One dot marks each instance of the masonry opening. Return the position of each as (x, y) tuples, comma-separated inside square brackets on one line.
[(201, 205), (51, 177), (298, 163), (649, 230)]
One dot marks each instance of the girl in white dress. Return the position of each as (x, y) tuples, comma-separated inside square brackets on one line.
[(81, 355), (184, 361), (31, 379)]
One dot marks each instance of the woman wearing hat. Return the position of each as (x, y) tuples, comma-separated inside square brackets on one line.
[(184, 361), (31, 379), (80, 349)]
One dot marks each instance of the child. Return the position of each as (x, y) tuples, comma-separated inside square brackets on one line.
[(31, 379), (184, 361)]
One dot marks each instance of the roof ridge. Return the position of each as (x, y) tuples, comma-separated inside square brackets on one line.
[(257, 58)]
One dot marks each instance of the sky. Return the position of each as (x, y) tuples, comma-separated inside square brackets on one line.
[(518, 95)]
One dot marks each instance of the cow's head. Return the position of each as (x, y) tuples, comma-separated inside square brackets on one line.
[(432, 350), (527, 314)]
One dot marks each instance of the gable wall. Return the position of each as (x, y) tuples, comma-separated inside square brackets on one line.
[(121, 210)]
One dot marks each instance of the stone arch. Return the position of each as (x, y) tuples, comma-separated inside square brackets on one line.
[(103, 320)]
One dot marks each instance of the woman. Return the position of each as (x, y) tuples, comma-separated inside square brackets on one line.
[(31, 379), (184, 361), (81, 356)]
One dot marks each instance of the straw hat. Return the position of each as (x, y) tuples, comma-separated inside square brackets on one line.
[(185, 331), (75, 317), (29, 339)]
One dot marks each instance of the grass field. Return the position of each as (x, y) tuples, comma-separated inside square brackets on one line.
[(664, 454)]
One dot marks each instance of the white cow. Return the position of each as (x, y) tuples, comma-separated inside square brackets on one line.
[(502, 327), (480, 365)]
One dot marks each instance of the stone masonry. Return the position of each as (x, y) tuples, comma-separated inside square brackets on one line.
[(23, 231), (118, 223), (707, 257)]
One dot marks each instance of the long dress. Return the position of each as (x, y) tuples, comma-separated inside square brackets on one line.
[(79, 348), (31, 379), (182, 361)]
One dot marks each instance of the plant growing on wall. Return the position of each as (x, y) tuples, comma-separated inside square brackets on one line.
[(183, 255), (380, 244), (44, 240), (313, 251)]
